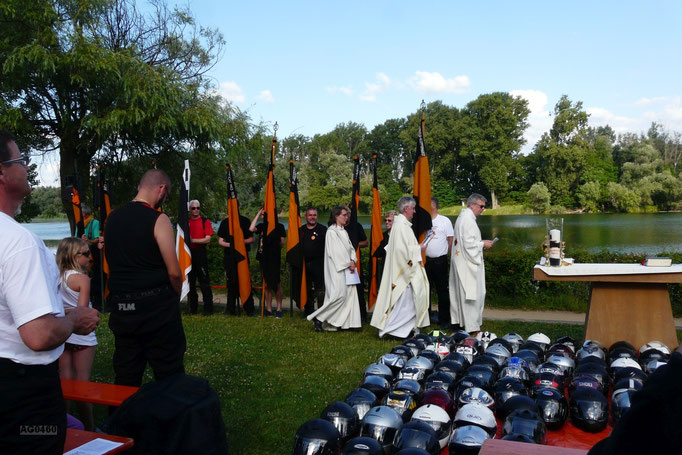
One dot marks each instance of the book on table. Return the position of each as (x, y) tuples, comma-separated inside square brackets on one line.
[(657, 262)]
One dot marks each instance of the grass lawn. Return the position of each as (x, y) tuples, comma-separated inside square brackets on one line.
[(274, 374)]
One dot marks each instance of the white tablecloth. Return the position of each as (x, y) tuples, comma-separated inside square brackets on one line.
[(607, 269)]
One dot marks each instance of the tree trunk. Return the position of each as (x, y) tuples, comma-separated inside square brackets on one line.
[(493, 200)]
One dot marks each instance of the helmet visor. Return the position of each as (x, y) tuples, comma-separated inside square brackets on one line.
[(309, 446), (381, 433), (593, 410)]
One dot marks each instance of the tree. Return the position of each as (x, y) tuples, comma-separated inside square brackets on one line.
[(96, 76), (539, 197), (621, 198), (589, 196), (492, 135)]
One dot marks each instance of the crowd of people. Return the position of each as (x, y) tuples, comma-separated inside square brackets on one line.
[(48, 333)]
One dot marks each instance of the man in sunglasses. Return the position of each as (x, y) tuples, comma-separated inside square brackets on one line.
[(467, 271), (33, 326), (200, 232)]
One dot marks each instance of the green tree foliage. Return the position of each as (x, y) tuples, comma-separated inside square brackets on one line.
[(88, 76), (621, 198), (539, 198), (589, 196)]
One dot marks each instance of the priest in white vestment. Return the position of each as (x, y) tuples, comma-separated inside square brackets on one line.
[(403, 300), (340, 309), (467, 271)]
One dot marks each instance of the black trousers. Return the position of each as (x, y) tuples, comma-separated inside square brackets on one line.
[(147, 329), (199, 270), (32, 409), (314, 273), (438, 272)]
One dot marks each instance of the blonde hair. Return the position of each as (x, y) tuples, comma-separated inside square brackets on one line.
[(67, 251)]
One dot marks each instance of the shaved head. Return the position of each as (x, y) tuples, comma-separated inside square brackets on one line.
[(152, 178)]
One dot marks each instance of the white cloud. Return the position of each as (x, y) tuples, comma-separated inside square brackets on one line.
[(539, 119), (231, 92), (266, 96), (340, 89), (620, 124), (372, 88), (651, 101), (436, 83)]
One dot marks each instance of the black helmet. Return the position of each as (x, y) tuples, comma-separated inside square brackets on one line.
[(652, 354), (549, 367), (416, 346), (440, 381), (584, 382), (547, 380), (506, 388), (597, 371), (441, 398), (629, 373), (403, 351), (567, 341), (623, 345), (515, 403), (627, 384), (460, 335), (317, 437), (403, 403), (412, 451), (487, 361), (553, 407), (518, 437), (379, 369), (410, 386), (589, 409), (621, 400), (381, 423), (465, 383), (467, 440), (424, 338), (378, 385), (525, 421), (362, 445), (362, 400), (343, 417), (459, 358), (533, 346), (561, 349), (486, 375), (530, 357), (418, 435), (450, 367)]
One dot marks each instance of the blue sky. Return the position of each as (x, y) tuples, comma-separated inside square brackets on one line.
[(310, 65)]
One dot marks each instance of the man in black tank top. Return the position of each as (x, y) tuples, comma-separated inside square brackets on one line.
[(145, 282)]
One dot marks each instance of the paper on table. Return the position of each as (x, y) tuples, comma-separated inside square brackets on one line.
[(95, 447), (352, 278)]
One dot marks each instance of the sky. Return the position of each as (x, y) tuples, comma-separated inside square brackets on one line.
[(311, 65)]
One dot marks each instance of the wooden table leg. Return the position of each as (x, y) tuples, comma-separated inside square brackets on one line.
[(632, 312)]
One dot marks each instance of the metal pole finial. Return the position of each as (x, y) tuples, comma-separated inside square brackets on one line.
[(422, 106)]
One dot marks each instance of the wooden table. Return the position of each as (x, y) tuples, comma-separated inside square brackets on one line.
[(76, 438), (628, 302)]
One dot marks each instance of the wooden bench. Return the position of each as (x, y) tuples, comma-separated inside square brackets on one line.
[(76, 438), (96, 392)]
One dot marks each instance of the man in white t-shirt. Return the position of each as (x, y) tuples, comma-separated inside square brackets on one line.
[(439, 242), (33, 326)]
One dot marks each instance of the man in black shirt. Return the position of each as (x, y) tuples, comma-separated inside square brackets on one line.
[(225, 240), (312, 236), (145, 283), (270, 257)]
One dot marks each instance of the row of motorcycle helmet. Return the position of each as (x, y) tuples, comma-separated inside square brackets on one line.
[(455, 384)]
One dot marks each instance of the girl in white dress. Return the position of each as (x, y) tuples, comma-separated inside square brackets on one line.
[(73, 258)]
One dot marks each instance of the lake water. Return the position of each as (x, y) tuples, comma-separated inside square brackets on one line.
[(648, 233)]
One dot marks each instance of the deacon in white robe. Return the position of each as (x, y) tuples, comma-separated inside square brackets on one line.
[(403, 300), (467, 270), (340, 309)]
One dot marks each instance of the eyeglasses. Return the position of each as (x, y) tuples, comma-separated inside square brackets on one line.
[(84, 253), (481, 205), (194, 208), (23, 159)]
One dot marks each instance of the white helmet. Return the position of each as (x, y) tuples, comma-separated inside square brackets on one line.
[(438, 419), (515, 339), (478, 415), (442, 349), (541, 339), (655, 345)]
